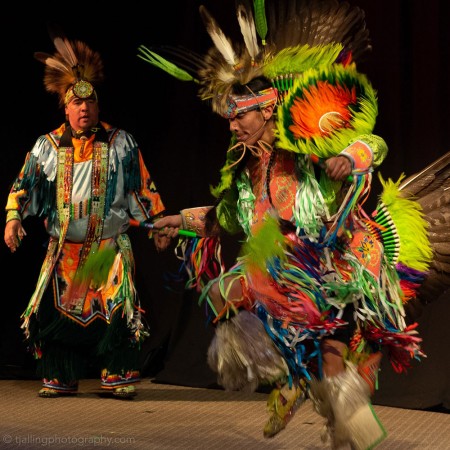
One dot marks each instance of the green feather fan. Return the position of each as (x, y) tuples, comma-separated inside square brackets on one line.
[(265, 245), (96, 268)]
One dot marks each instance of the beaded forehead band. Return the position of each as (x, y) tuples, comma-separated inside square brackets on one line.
[(255, 100), (81, 89)]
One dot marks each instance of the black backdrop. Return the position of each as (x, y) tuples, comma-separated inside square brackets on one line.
[(183, 145)]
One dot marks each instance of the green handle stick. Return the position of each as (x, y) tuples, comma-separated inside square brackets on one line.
[(151, 226)]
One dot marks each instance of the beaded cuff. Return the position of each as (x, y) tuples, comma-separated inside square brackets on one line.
[(194, 219), (12, 214), (361, 156)]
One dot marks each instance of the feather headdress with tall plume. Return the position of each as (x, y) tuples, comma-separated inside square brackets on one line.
[(73, 66), (293, 36)]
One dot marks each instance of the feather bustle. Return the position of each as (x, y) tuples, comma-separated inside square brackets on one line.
[(436, 172), (435, 199), (430, 188)]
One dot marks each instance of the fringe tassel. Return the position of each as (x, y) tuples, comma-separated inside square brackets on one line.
[(201, 261)]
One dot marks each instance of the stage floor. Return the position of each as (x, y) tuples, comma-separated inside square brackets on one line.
[(163, 417)]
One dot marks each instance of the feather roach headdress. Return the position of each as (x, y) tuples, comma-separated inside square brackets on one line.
[(294, 36), (73, 70)]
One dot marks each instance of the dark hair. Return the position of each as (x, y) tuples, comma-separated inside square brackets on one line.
[(255, 85)]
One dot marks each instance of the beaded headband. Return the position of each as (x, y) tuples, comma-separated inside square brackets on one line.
[(244, 103)]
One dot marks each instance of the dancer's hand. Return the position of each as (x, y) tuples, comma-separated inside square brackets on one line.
[(338, 168), (165, 229), (14, 234)]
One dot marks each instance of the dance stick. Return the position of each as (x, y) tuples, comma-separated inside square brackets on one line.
[(151, 226)]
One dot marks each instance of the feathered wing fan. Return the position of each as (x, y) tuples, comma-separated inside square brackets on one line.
[(73, 61), (431, 188)]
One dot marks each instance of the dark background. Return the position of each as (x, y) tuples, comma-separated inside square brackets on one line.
[(183, 144)]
